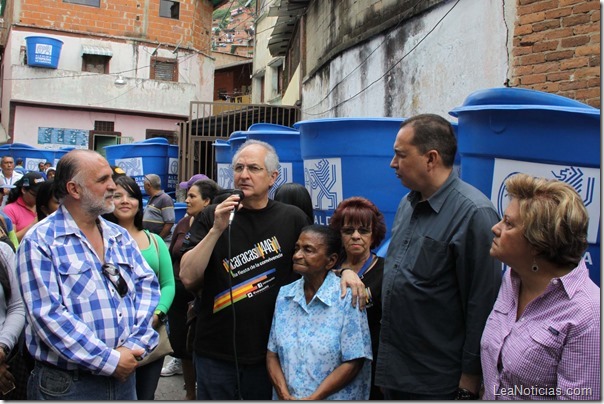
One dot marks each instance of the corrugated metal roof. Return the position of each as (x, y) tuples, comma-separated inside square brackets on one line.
[(288, 12), (96, 50)]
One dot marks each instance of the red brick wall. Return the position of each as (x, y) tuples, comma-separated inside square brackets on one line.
[(557, 48), (125, 19)]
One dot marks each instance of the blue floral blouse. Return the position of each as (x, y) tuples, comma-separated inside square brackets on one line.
[(313, 339)]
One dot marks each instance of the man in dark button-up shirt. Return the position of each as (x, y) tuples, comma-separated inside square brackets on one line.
[(440, 282)]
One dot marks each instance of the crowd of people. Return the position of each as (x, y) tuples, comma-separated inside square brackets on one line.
[(259, 303)]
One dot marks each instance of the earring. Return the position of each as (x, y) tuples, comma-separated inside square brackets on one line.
[(535, 267)]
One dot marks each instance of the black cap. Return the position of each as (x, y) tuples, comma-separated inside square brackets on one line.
[(31, 180)]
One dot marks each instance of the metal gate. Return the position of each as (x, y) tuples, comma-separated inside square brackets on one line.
[(209, 121)]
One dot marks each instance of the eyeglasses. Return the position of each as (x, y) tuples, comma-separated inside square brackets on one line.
[(253, 169), (349, 231), (112, 273)]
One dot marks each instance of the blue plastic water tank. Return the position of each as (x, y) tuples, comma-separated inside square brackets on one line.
[(286, 142), (140, 158), (180, 209), (43, 51), (222, 156), (31, 155), (236, 139), (172, 176), (503, 131), (345, 157)]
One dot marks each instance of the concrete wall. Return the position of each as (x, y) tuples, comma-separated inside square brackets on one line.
[(262, 56), (427, 64), (130, 19), (69, 87), (135, 33)]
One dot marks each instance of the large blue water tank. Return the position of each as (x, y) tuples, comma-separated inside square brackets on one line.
[(502, 131), (222, 157), (345, 157), (32, 155), (286, 142), (43, 51), (137, 159)]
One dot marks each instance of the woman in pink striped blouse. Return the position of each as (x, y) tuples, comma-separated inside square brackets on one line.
[(542, 339)]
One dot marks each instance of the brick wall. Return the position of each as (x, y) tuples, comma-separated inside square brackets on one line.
[(125, 19), (557, 48)]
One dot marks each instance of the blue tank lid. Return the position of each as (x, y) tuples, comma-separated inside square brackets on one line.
[(155, 140), (347, 119), (22, 146), (238, 134), (505, 98), (269, 127)]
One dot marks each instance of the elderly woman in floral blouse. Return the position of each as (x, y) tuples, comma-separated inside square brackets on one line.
[(319, 346)]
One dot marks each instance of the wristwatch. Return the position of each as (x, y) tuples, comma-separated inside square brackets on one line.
[(161, 315), (465, 394), (5, 349)]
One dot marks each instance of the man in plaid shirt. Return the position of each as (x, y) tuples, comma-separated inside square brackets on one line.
[(89, 293)]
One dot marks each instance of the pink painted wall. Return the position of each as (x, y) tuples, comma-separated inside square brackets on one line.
[(29, 118)]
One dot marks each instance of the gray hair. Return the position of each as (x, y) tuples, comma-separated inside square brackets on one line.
[(154, 180), (271, 160), (69, 168)]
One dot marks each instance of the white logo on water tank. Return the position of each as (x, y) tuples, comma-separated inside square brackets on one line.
[(285, 175), (172, 166), (585, 180), (323, 177), (43, 49), (132, 166), (225, 175)]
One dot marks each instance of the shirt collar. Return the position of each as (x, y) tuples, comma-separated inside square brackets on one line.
[(21, 203), (157, 194), (69, 226), (570, 283), (437, 200), (324, 294), (573, 280)]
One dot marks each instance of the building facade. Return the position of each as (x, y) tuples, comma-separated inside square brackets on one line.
[(127, 71), (393, 58)]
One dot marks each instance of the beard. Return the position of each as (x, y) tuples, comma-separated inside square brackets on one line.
[(95, 206)]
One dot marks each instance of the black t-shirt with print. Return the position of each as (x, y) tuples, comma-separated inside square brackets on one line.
[(262, 245)]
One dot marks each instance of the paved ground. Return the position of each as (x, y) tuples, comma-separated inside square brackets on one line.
[(170, 388)]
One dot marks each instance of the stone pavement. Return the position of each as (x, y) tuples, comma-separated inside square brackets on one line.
[(170, 388)]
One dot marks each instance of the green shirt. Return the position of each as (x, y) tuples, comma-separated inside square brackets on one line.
[(159, 260)]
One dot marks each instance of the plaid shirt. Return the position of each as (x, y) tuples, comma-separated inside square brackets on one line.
[(553, 350), (75, 317)]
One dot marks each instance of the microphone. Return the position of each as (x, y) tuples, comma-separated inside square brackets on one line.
[(230, 192)]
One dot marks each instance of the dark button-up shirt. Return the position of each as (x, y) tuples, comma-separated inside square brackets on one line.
[(439, 286)]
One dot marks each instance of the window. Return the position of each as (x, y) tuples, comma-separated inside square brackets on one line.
[(104, 126), (164, 69), (169, 9), (276, 77), (292, 58), (95, 63), (93, 3)]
